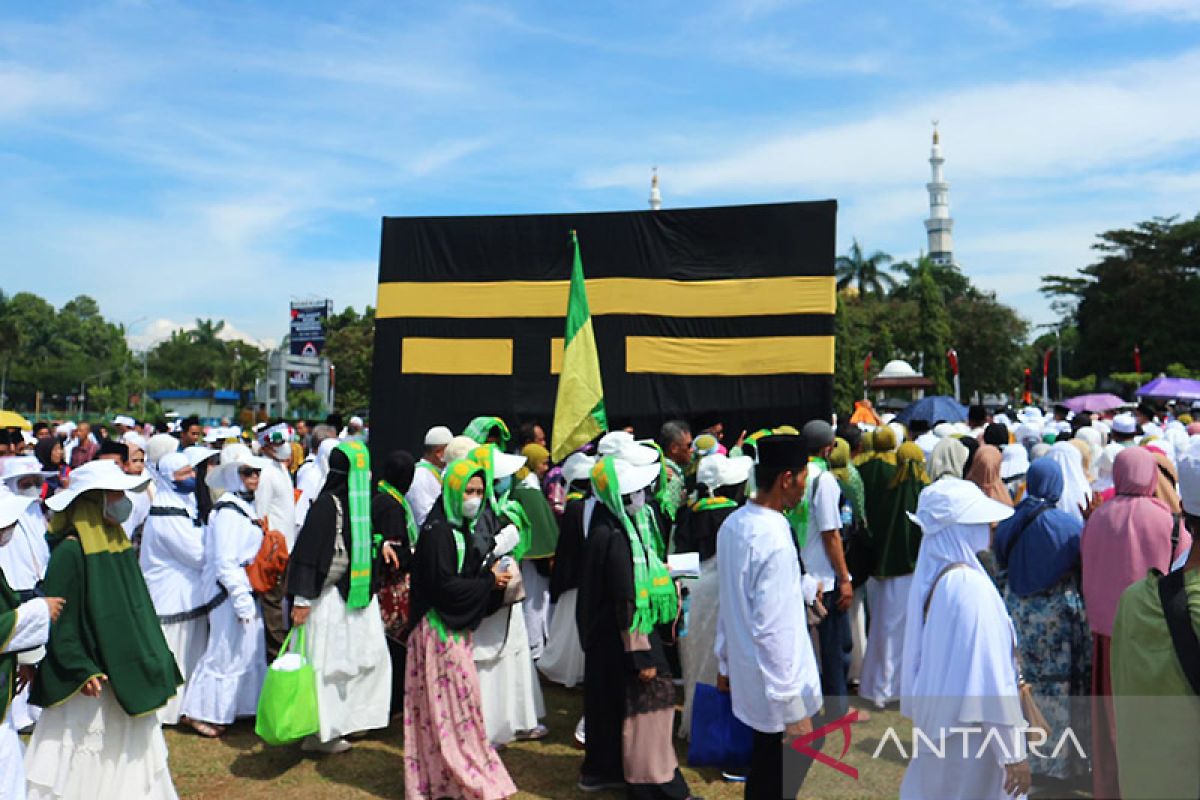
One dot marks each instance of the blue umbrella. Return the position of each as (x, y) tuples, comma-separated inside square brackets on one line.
[(934, 409)]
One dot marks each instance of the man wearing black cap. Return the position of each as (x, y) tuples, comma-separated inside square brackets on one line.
[(764, 654)]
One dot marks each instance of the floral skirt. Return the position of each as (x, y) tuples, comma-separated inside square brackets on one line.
[(446, 749), (1056, 659)]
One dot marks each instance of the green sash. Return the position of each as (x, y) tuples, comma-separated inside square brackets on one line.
[(361, 555)]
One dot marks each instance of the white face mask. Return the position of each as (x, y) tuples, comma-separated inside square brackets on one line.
[(118, 510), (6, 534), (31, 491), (635, 501), (979, 537), (471, 507), (282, 452)]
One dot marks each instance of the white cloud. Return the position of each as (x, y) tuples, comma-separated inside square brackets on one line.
[(1173, 9), (145, 336), (1045, 128), (25, 91)]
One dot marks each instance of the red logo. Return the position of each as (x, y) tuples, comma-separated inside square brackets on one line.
[(801, 744)]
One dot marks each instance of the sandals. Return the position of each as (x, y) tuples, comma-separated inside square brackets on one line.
[(206, 730)]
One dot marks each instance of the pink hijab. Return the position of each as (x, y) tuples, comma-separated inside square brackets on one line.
[(1125, 537)]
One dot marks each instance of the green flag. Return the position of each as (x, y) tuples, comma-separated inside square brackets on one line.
[(579, 409)]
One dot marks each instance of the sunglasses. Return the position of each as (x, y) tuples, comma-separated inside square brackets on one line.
[(247, 472)]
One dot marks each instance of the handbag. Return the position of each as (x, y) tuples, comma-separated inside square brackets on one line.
[(514, 592), (718, 738), (287, 705), (1035, 720)]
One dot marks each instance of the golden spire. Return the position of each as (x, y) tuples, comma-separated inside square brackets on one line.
[(935, 131)]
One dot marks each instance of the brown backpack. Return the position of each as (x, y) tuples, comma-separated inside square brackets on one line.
[(271, 560)]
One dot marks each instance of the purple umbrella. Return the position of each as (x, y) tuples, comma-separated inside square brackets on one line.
[(1171, 388), (1094, 402)]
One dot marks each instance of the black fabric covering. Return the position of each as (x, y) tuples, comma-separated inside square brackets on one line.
[(462, 597), (696, 531), (778, 240), (312, 553), (568, 555)]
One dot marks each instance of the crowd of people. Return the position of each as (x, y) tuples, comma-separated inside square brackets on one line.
[(150, 577)]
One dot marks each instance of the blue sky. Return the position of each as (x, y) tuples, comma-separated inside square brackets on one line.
[(182, 160)]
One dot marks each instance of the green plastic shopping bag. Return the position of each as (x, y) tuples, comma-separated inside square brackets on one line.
[(287, 707)]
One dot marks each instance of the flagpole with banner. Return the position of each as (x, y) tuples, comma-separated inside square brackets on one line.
[(579, 414), (952, 355), (1046, 376)]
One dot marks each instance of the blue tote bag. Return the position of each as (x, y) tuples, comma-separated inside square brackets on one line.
[(718, 739)]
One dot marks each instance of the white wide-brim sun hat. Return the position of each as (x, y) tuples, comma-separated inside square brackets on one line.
[(632, 477), (506, 464), (15, 467), (197, 455), (103, 475), (12, 506), (720, 470), (953, 501), (577, 467), (233, 457)]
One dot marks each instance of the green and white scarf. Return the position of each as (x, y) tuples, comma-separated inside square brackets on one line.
[(394, 493), (358, 484), (654, 598), (454, 484), (503, 505)]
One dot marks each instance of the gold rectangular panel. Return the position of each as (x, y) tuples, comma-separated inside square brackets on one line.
[(744, 297), (753, 355), (427, 356), (557, 346)]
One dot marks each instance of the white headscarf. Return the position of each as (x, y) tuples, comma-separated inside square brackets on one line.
[(1091, 436), (900, 431), (1104, 467), (1014, 461), (324, 449), (1077, 491), (972, 676)]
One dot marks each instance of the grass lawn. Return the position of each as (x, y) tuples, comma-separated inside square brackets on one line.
[(240, 766)]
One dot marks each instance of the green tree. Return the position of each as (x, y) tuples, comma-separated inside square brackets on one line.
[(350, 345), (865, 272), (1148, 272), (933, 326)]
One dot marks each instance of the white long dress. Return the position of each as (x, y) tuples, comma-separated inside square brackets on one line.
[(562, 661), (172, 562), (82, 749), (508, 683), (31, 630), (888, 598), (354, 672), (229, 677), (696, 650)]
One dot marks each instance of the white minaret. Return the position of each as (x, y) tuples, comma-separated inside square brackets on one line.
[(939, 225), (655, 194)]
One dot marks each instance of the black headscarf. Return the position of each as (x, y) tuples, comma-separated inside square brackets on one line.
[(398, 470), (312, 553), (972, 445)]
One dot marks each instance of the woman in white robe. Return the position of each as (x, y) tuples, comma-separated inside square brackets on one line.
[(508, 682), (25, 630), (229, 677), (959, 667), (172, 562), (335, 599)]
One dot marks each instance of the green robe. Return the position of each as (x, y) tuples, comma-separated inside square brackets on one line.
[(1158, 715), (108, 625), (894, 538), (543, 527), (9, 601)]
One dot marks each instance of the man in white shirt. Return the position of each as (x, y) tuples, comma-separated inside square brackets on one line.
[(427, 480), (275, 503), (764, 653), (825, 560), (311, 475)]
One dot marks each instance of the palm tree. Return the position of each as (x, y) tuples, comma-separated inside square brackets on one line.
[(866, 272), (207, 332)]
